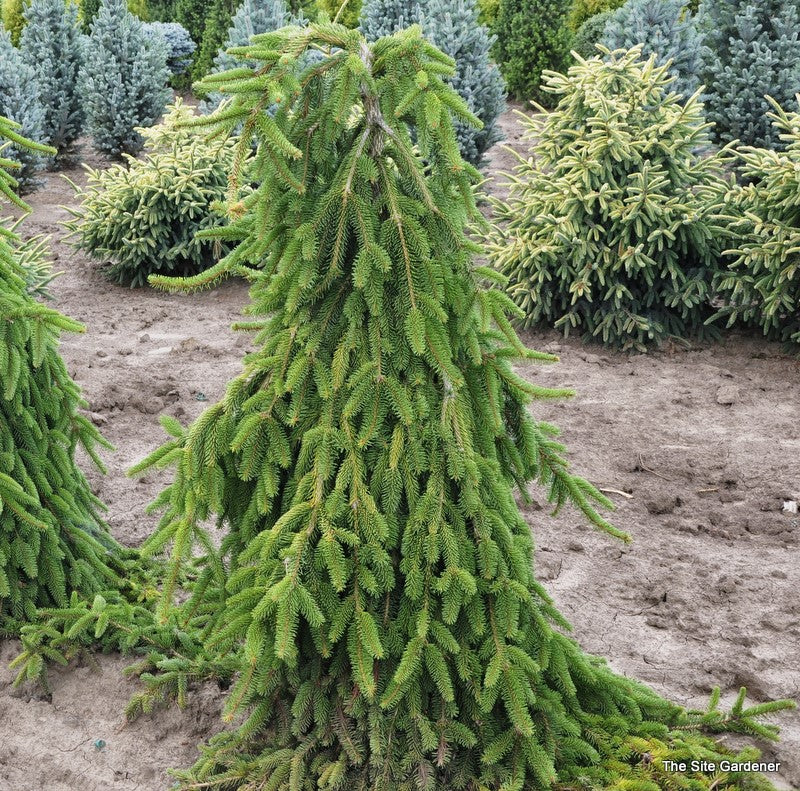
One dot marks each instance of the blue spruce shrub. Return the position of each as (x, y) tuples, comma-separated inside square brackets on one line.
[(180, 45), (664, 28), (52, 48), (452, 25), (19, 102), (123, 79), (751, 50)]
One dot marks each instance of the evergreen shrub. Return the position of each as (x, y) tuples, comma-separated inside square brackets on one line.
[(218, 18), (87, 13), (663, 28), (385, 17), (180, 46), (751, 50), (19, 102), (143, 216), (192, 15), (373, 597), (609, 228), (52, 539), (123, 79), (532, 37), (761, 285), (52, 48)]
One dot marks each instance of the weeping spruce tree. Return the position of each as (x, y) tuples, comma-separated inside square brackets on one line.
[(375, 582), (52, 539)]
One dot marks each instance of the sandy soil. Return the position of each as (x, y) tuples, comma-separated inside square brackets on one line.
[(704, 441)]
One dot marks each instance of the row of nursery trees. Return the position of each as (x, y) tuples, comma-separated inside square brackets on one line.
[(116, 78), (372, 602), (626, 224)]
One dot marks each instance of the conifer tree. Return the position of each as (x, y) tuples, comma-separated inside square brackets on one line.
[(583, 10), (532, 37), (51, 46), (752, 49), (218, 19), (663, 28), (191, 14), (610, 229), (19, 102), (52, 539), (123, 79), (375, 583), (385, 17)]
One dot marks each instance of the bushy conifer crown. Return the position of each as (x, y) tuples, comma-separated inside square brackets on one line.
[(123, 79), (609, 229), (20, 102)]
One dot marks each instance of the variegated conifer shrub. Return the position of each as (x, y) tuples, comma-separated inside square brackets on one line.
[(142, 216), (53, 542), (761, 285), (373, 597), (610, 227)]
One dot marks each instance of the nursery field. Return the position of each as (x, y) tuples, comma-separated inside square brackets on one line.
[(698, 445)]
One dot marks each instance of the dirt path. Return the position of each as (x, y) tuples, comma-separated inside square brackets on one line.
[(706, 442)]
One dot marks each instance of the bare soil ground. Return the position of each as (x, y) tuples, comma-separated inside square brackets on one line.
[(703, 440)]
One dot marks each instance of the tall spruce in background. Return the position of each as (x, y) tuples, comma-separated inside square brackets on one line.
[(123, 79), (610, 227), (663, 28), (191, 14), (532, 37), (374, 584), (752, 50), (51, 46), (52, 540), (19, 101)]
